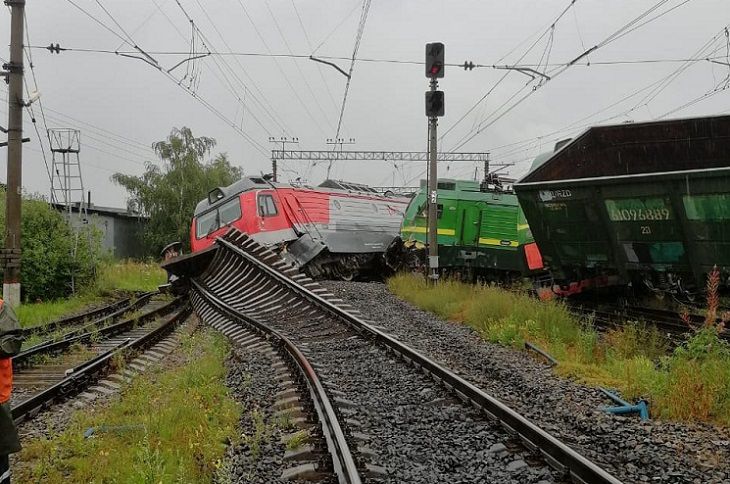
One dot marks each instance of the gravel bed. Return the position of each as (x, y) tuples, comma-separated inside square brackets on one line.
[(419, 433), (258, 455), (634, 451)]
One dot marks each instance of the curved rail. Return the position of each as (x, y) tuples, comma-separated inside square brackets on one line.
[(556, 453), (342, 460)]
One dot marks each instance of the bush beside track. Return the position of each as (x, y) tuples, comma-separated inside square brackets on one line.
[(690, 383)]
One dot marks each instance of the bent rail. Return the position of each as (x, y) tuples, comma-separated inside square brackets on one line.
[(556, 453)]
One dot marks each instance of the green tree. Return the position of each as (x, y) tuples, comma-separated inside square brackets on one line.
[(168, 193), (47, 244)]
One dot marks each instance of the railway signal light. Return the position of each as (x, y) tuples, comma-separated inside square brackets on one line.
[(435, 103), (435, 60)]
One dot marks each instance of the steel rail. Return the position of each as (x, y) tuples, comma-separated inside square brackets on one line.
[(88, 371), (342, 460), (25, 357), (111, 312), (557, 454), (78, 318)]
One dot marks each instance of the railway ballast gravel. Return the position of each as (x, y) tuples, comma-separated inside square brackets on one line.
[(635, 451)]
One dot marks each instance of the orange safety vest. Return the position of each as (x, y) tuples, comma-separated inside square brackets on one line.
[(6, 379), (6, 375)]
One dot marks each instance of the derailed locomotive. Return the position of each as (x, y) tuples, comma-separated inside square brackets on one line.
[(337, 230), (645, 205)]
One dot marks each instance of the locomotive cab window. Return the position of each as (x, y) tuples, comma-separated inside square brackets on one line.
[(211, 221), (267, 206), (206, 223), (229, 212)]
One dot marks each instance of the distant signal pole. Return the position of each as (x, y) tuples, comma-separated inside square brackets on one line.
[(13, 72), (435, 107)]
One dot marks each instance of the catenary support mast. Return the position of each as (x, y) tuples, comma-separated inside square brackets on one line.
[(11, 252)]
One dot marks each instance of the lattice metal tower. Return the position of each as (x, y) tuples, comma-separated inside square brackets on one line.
[(67, 185)]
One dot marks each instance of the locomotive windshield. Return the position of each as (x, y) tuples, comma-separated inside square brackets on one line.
[(212, 220)]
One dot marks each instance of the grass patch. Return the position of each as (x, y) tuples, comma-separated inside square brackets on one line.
[(112, 277), (690, 383), (129, 276), (41, 313), (170, 426)]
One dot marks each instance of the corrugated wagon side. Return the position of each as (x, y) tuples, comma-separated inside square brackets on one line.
[(643, 203)]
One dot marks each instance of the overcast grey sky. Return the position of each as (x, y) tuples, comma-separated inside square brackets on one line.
[(122, 105)]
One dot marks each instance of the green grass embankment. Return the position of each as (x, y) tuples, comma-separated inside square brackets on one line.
[(171, 425), (692, 382), (112, 277)]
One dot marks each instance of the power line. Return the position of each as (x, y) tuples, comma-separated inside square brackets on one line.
[(267, 110), (106, 27), (153, 62), (358, 39), (309, 45), (550, 27), (29, 57), (98, 2), (614, 36), (283, 73), (494, 65), (296, 64)]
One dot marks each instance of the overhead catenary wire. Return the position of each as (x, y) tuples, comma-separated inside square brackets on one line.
[(254, 93), (296, 64), (554, 73), (152, 62), (494, 65), (356, 48), (546, 31), (558, 70), (309, 45), (281, 70), (29, 58)]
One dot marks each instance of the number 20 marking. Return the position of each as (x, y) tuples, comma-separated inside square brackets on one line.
[(645, 230)]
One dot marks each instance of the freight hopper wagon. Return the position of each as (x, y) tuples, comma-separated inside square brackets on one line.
[(645, 205), (482, 231), (336, 230)]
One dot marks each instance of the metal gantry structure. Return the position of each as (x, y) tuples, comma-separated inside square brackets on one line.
[(67, 184), (389, 156)]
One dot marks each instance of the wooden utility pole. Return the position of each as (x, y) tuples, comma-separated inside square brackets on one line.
[(11, 252)]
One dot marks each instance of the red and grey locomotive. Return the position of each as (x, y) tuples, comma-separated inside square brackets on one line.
[(336, 230)]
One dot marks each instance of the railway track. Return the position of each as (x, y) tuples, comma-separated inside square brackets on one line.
[(56, 370), (371, 391), (87, 316), (61, 332)]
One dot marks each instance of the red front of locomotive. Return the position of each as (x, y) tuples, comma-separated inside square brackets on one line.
[(266, 215)]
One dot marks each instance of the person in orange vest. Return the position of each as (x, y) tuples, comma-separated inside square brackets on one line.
[(11, 340)]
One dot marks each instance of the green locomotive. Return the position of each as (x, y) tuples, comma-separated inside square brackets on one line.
[(482, 231)]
